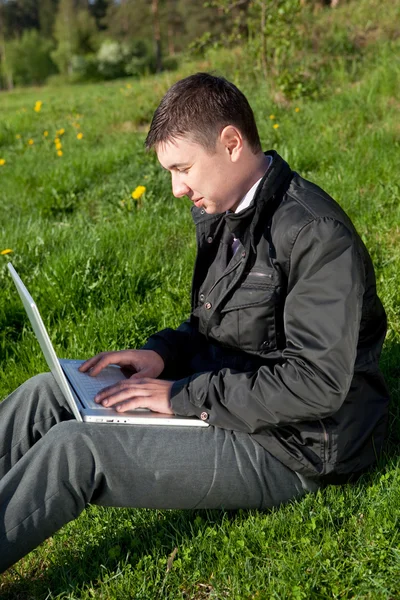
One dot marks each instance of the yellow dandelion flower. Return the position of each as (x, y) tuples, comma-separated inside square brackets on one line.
[(31, 142), (296, 109), (58, 146), (2, 161), (18, 136), (138, 192), (57, 140), (45, 133), (79, 136), (61, 132), (276, 126), (59, 153), (272, 116), (128, 85), (6, 251), (38, 106)]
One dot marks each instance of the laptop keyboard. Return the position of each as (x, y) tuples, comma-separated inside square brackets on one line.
[(87, 387)]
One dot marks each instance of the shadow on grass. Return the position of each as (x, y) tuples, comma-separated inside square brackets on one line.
[(390, 365), (11, 326), (75, 571)]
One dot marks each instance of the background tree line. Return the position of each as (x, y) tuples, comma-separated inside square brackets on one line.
[(80, 40)]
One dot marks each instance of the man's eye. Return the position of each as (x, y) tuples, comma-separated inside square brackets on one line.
[(184, 171)]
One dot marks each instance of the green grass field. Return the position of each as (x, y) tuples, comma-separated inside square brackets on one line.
[(106, 271)]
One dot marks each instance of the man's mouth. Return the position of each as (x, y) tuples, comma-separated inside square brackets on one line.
[(198, 202)]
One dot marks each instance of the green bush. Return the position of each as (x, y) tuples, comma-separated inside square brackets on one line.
[(118, 59), (28, 59), (84, 68)]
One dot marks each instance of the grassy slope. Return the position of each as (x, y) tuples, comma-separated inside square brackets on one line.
[(106, 273)]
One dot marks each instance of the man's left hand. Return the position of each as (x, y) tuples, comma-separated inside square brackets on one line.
[(138, 393)]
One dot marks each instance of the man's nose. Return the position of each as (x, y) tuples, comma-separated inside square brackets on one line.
[(179, 188)]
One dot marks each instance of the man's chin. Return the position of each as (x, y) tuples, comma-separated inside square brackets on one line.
[(209, 208), (199, 203)]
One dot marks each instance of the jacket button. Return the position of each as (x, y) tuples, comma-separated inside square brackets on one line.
[(204, 416), (202, 297), (208, 305), (202, 211), (243, 254), (209, 239)]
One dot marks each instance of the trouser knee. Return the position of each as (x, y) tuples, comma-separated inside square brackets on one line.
[(74, 460), (42, 384), (42, 395)]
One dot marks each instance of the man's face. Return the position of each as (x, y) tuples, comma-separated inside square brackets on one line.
[(208, 180)]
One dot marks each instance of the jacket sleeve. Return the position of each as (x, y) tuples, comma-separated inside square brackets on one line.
[(175, 346), (322, 316)]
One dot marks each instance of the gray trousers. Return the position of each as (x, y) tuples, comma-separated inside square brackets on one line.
[(51, 467)]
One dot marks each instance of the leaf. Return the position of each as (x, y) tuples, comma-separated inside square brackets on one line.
[(171, 559)]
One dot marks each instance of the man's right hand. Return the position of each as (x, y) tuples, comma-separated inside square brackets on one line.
[(145, 363)]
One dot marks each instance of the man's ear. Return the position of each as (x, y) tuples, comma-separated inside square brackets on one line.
[(232, 140)]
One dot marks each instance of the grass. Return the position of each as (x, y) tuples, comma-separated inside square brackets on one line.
[(107, 271)]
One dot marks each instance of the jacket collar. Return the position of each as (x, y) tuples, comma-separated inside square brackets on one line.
[(266, 199)]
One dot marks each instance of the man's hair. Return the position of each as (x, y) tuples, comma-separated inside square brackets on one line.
[(199, 107)]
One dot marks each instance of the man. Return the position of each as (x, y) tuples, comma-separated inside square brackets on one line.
[(279, 355)]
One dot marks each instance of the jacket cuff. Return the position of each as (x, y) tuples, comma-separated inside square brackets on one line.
[(183, 401), (158, 345), (180, 402)]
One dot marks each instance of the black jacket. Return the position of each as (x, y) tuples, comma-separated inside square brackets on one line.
[(284, 341)]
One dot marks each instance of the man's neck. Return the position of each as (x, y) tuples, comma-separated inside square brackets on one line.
[(264, 163), (258, 171)]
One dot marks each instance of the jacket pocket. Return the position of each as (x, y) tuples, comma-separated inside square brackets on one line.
[(248, 318)]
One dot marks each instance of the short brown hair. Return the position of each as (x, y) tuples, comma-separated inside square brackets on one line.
[(200, 106)]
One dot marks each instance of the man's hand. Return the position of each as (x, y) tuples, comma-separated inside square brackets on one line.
[(138, 393), (146, 363)]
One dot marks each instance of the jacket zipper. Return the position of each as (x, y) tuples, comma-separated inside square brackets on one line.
[(261, 275), (325, 438)]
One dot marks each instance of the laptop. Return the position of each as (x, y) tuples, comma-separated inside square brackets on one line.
[(80, 389)]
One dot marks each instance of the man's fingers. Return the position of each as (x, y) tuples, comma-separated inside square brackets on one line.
[(123, 395), (110, 358), (88, 364), (140, 393), (145, 363), (98, 362), (116, 388), (133, 404), (141, 387), (142, 374), (100, 365)]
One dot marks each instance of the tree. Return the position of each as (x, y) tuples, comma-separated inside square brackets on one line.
[(175, 24), (47, 11), (64, 34), (98, 10), (215, 21), (20, 15), (157, 34), (126, 20), (75, 34), (5, 73), (332, 3)]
